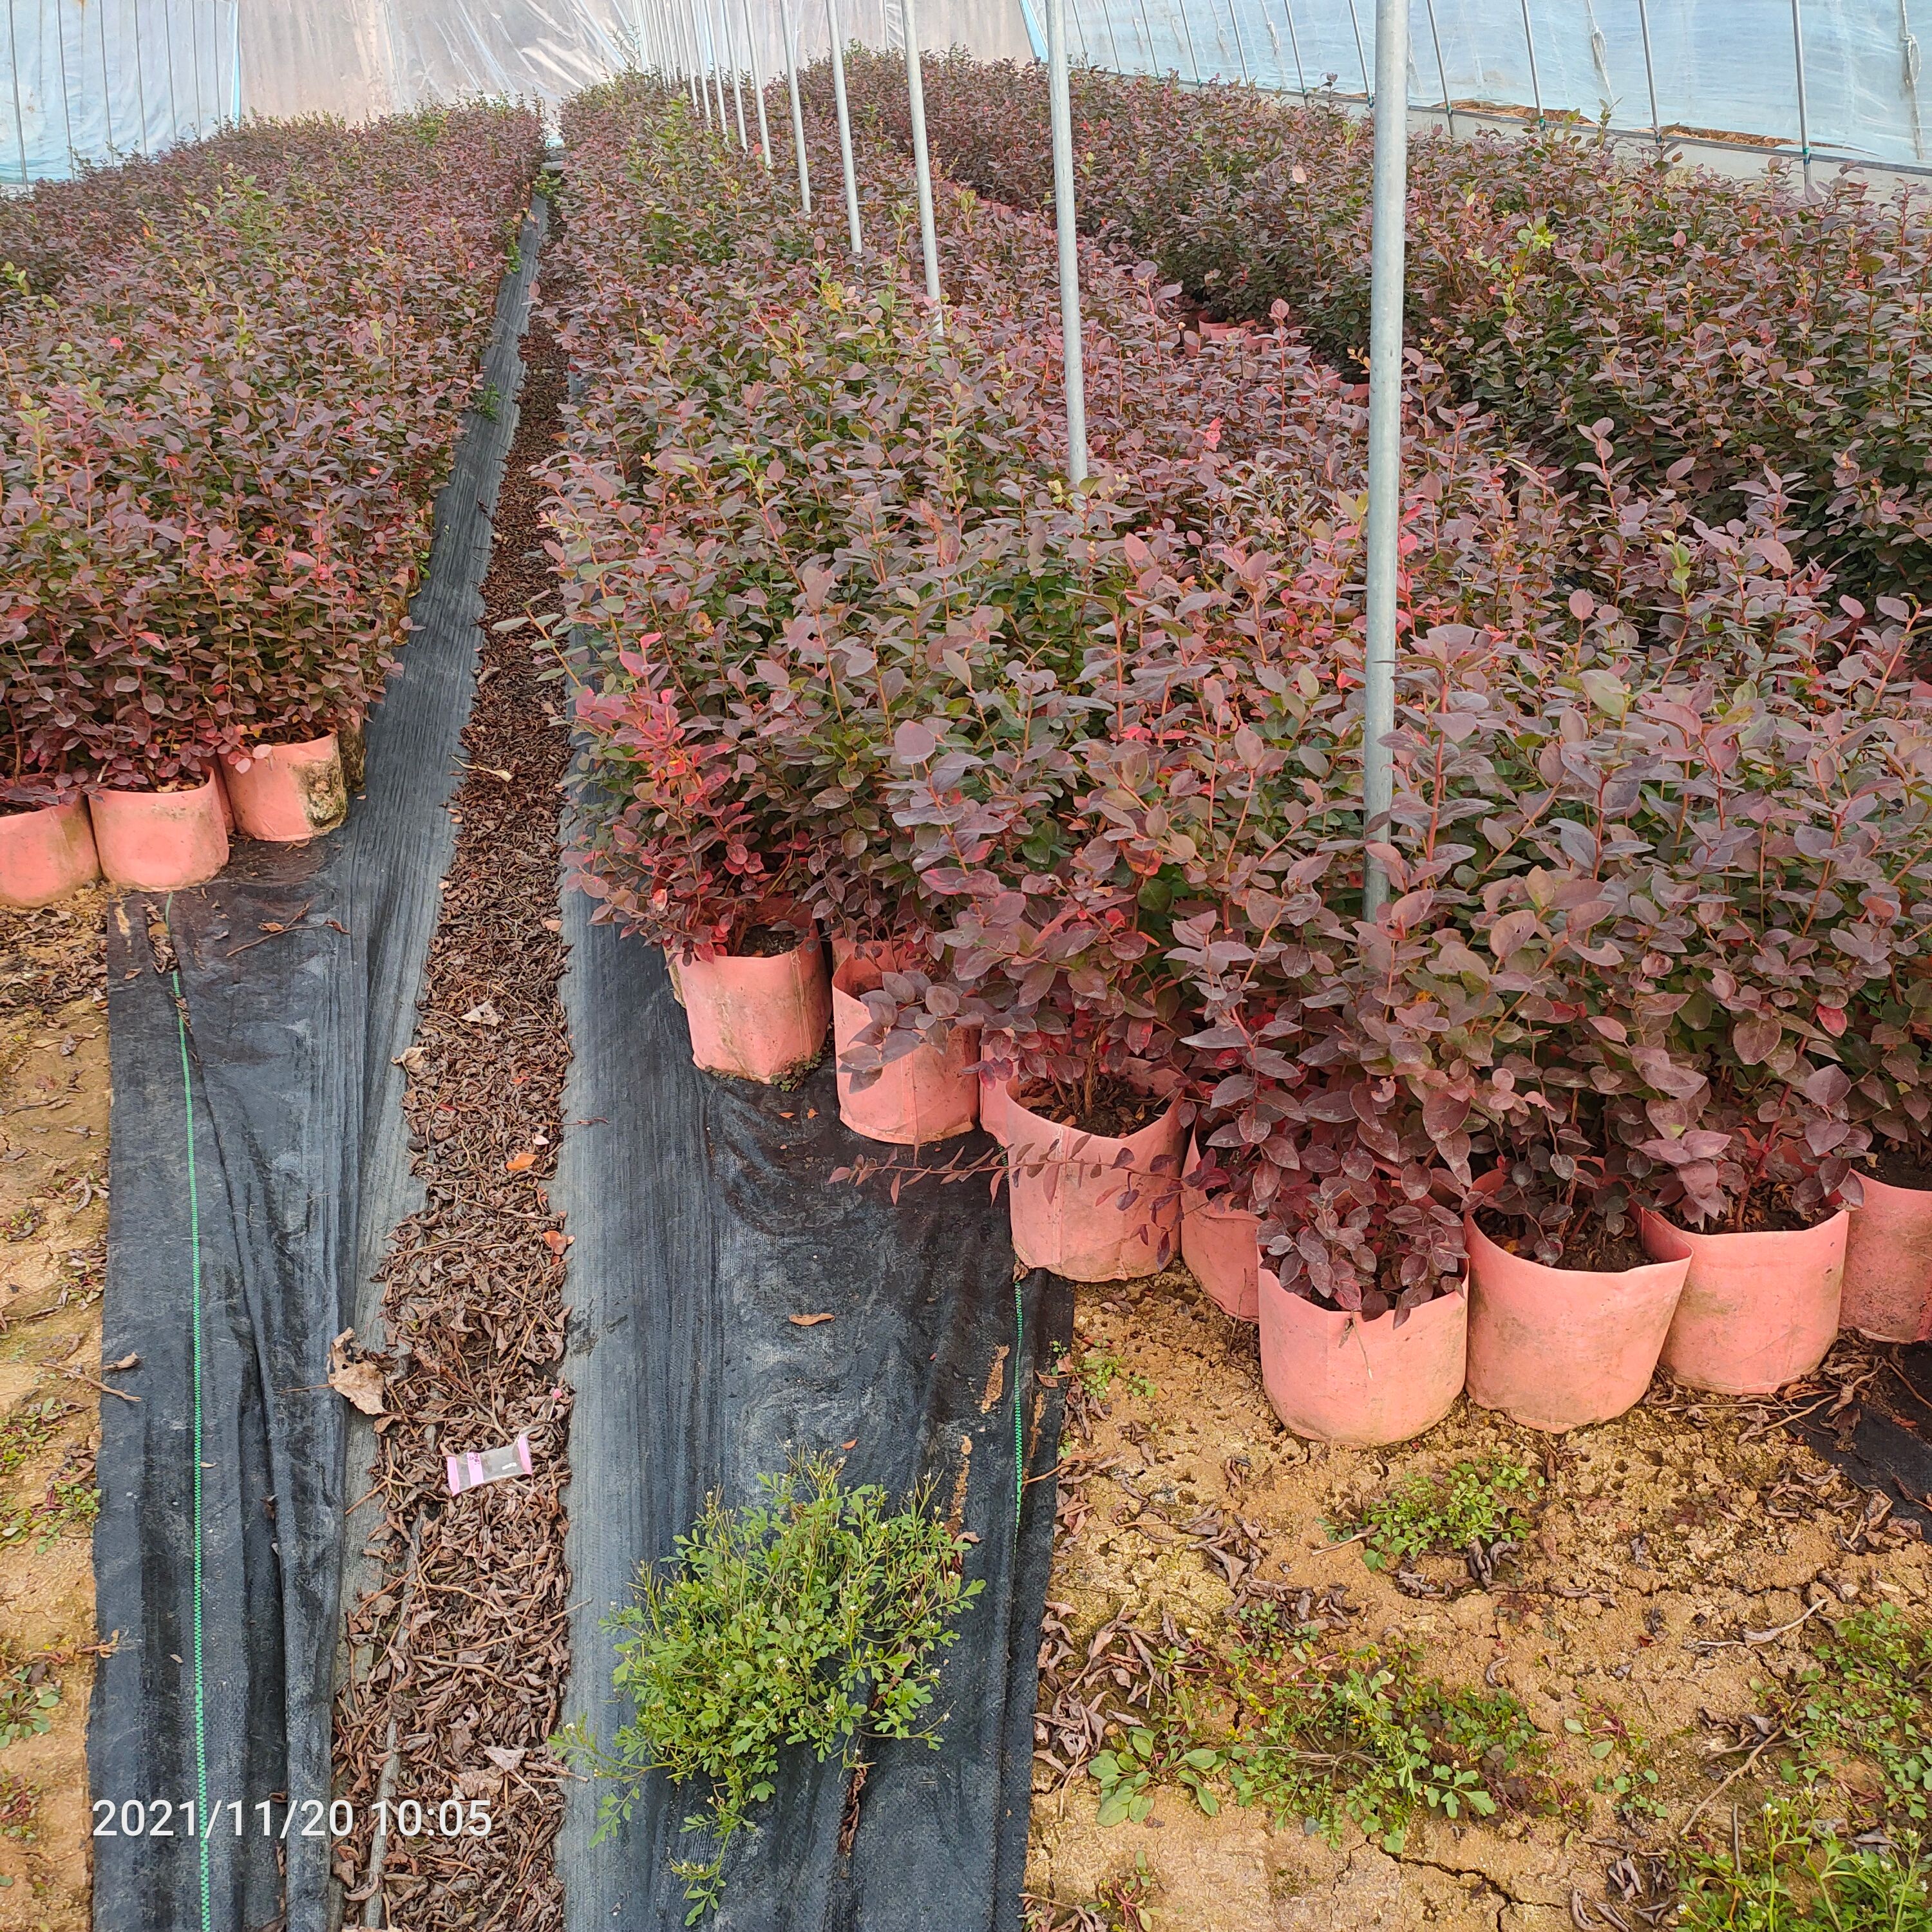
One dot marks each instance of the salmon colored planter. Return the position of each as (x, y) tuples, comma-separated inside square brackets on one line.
[(1066, 1189), (1222, 1246), (929, 1094), (759, 1018), (160, 840), (1758, 1310), (1334, 1378), (1888, 1263), (288, 793), (996, 1109), (1558, 1348), (45, 853)]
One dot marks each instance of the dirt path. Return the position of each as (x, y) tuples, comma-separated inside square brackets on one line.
[(1680, 1525), (53, 1229), (459, 1659)]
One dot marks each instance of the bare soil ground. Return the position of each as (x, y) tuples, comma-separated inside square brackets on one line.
[(53, 1233), (1658, 1540)]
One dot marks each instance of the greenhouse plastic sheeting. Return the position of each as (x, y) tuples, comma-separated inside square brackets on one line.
[(92, 79), (703, 1226), (258, 1162)]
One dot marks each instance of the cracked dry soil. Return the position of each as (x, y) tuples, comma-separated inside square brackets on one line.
[(1683, 1523)]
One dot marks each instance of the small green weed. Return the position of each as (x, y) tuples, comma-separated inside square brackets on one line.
[(1121, 1904), (812, 1617), (1629, 1777), (27, 1693), (1430, 1515), (1097, 1369), (489, 402), (1329, 1736), (1868, 1695), (29, 1429), (1790, 1875)]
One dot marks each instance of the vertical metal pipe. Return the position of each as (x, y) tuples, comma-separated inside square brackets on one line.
[(757, 85), (140, 77), (1368, 86), (67, 105), (1387, 250), (1294, 43), (1240, 51), (922, 166), (1067, 235), (701, 86), (731, 61), (1442, 72), (19, 119), (106, 86), (1147, 25), (1804, 118), (844, 128), (235, 58), (1650, 72), (717, 62), (1113, 45), (168, 47), (1535, 84), (1187, 34), (797, 115)]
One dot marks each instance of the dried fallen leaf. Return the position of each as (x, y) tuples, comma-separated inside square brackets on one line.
[(556, 1239), (521, 1162), (505, 1757), (485, 1014), (125, 1362), (361, 1383), (808, 1320)]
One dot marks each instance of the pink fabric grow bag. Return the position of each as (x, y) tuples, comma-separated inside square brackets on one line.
[(1888, 1263), (1222, 1246), (44, 854), (759, 1018), (1088, 1206), (1758, 1310), (289, 793), (160, 840), (1334, 1378), (928, 1094), (1558, 1348)]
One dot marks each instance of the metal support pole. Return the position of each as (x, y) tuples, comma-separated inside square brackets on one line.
[(1146, 27), (107, 91), (717, 61), (731, 61), (19, 120), (67, 105), (168, 46), (194, 55), (700, 80), (1650, 73), (797, 116), (1294, 43), (1804, 118), (1187, 34), (1113, 45), (1442, 72), (1385, 366), (1240, 52), (922, 166), (1067, 235), (1368, 86), (140, 76), (844, 129), (1529, 41), (694, 63), (758, 86)]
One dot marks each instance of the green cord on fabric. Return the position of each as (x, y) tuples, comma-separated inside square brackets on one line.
[(194, 1299), (1019, 1410)]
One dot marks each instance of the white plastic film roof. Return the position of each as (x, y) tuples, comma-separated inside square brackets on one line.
[(91, 79)]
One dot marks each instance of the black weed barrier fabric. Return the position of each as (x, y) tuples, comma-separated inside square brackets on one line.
[(258, 1163), (703, 1222)]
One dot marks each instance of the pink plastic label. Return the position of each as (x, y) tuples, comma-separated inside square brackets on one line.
[(475, 1467)]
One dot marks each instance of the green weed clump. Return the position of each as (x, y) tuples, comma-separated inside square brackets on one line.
[(1429, 1515), (1868, 1696), (1789, 1875), (814, 1617), (1329, 1736)]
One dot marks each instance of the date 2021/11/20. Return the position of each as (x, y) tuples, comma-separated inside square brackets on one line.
[(159, 1818)]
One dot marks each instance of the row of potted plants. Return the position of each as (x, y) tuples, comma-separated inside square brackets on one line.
[(1719, 325), (221, 437), (1072, 784)]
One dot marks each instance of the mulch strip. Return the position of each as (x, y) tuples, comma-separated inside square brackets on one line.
[(459, 1660)]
